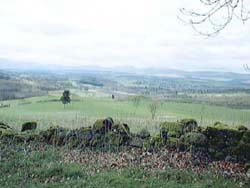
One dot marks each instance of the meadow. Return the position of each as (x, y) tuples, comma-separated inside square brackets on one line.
[(86, 108)]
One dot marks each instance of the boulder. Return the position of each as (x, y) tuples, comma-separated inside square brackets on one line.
[(246, 137), (144, 134), (241, 128), (103, 126), (228, 141), (189, 125), (194, 139), (6, 130), (156, 141), (54, 135), (4, 126), (29, 126), (176, 129)]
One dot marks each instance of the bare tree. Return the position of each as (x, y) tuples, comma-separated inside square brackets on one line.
[(136, 101), (218, 15), (153, 109)]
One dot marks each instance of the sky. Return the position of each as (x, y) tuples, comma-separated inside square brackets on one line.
[(116, 33)]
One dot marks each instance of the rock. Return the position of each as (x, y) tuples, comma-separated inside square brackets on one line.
[(103, 125), (247, 166), (84, 134), (177, 129), (241, 128), (29, 126), (189, 125), (194, 139), (230, 159), (246, 137), (137, 142), (228, 141), (165, 134), (6, 132), (156, 141), (248, 173), (4, 126), (143, 134)]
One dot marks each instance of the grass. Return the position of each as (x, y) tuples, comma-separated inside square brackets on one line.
[(83, 111), (44, 166)]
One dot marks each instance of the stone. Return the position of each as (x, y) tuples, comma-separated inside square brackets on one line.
[(29, 126)]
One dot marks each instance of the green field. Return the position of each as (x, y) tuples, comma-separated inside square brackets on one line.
[(84, 110)]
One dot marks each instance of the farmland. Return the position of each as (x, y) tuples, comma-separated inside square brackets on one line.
[(84, 110)]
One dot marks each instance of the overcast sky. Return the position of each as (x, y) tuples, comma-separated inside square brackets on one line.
[(140, 33)]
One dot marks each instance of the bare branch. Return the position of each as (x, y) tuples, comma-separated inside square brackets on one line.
[(226, 9)]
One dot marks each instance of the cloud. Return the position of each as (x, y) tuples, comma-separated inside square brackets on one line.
[(139, 33)]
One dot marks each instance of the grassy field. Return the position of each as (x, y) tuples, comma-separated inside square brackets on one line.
[(84, 110)]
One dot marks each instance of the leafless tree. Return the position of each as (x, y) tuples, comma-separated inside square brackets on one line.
[(153, 109), (218, 15)]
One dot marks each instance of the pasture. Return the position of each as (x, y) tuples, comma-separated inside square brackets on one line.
[(86, 108)]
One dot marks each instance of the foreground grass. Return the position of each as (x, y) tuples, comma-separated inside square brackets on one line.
[(44, 166)]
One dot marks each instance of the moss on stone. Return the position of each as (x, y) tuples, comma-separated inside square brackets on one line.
[(29, 126), (194, 139), (241, 128), (189, 125), (121, 128), (6, 132), (247, 166), (98, 125), (103, 126), (246, 137), (4, 126), (32, 135), (54, 135), (229, 141), (156, 141), (144, 134), (176, 128)]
